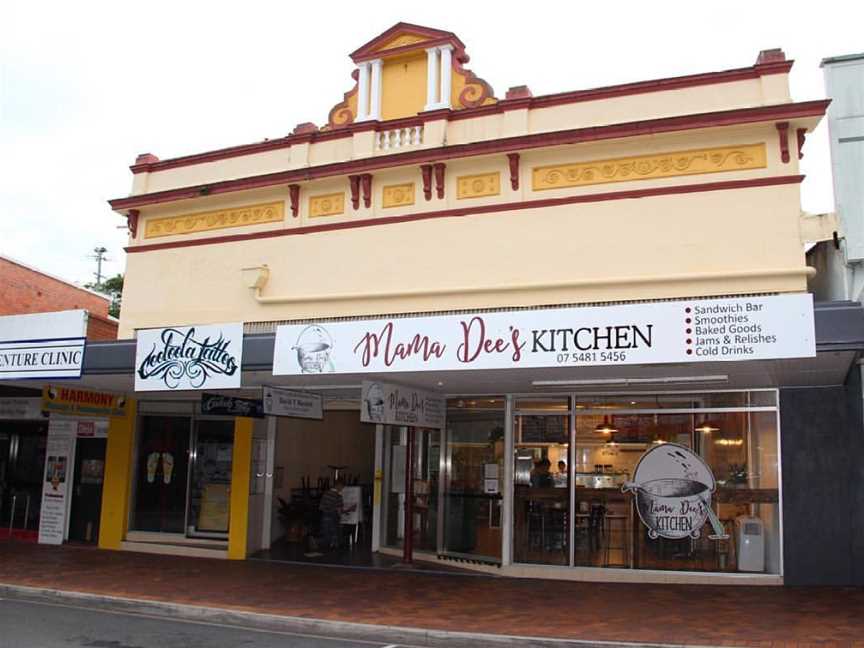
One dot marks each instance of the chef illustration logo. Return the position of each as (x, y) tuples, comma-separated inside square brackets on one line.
[(373, 403), (673, 488), (314, 347)]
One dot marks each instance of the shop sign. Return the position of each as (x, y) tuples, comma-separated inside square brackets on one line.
[(673, 489), (95, 429), (59, 457), (297, 404), (42, 345), (216, 404), (739, 328), (21, 408), (391, 404), (58, 399), (189, 357)]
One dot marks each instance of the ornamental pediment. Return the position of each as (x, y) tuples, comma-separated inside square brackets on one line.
[(407, 70)]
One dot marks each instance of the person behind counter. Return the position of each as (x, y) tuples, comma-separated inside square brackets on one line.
[(540, 476), (560, 478)]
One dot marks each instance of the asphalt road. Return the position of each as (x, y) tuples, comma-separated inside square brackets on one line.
[(30, 624)]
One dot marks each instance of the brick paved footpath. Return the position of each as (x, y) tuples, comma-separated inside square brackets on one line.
[(684, 614)]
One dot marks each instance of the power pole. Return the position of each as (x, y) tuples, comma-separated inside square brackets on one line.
[(99, 255)]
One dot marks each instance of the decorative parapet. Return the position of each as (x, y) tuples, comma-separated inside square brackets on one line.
[(399, 138)]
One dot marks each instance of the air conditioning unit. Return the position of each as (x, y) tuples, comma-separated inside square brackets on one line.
[(750, 540)]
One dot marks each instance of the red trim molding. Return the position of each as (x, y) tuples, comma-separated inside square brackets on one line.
[(425, 156), (366, 185), (294, 198), (485, 209), (153, 164), (439, 168), (132, 222), (371, 49), (354, 180), (802, 136), (783, 134), (426, 174), (513, 160)]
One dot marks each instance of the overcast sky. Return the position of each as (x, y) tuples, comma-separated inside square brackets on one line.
[(86, 86)]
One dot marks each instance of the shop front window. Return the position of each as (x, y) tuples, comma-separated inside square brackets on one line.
[(22, 465), (210, 483), (474, 478), (691, 485), (541, 484)]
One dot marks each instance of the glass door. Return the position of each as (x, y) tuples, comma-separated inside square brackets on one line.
[(474, 475), (210, 481), (541, 482)]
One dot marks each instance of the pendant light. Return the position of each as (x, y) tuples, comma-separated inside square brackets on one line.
[(605, 427), (707, 427)]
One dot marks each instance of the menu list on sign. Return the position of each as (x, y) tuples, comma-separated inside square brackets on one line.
[(735, 329)]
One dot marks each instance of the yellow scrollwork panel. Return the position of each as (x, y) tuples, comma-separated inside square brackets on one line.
[(213, 220), (643, 167), (326, 205), (477, 186), (400, 195)]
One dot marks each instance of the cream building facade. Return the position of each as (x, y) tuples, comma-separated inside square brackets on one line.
[(635, 254)]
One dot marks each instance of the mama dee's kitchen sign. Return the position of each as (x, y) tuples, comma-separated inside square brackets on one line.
[(189, 357), (752, 328), (391, 404), (42, 345), (673, 489)]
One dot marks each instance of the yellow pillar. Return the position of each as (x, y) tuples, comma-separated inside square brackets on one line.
[(117, 484), (241, 472)]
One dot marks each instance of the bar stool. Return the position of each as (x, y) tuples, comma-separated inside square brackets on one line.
[(613, 522)]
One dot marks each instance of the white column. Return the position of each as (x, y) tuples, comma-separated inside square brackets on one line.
[(431, 78), (375, 102), (446, 70), (363, 93)]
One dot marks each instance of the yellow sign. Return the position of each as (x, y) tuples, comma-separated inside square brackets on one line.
[(83, 402), (213, 514)]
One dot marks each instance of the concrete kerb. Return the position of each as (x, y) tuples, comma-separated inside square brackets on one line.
[(405, 636)]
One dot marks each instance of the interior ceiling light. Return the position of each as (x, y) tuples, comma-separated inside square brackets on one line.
[(605, 382), (729, 442), (605, 427), (707, 428)]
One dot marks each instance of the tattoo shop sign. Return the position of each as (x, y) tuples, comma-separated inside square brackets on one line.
[(189, 357), (391, 404), (42, 345), (746, 328)]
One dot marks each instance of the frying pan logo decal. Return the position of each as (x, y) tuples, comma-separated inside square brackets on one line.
[(314, 347), (673, 488)]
